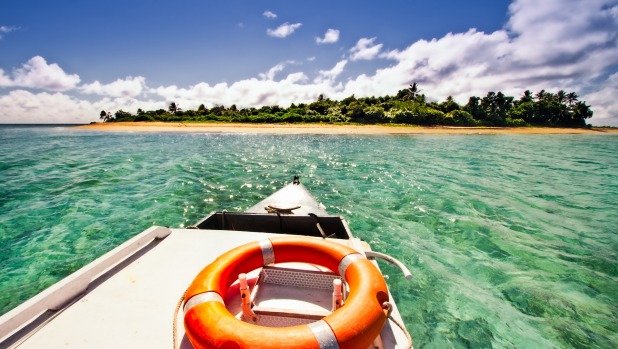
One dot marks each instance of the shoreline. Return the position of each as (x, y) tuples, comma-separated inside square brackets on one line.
[(328, 129)]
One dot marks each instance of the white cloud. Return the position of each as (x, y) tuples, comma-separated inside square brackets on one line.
[(5, 81), (269, 15), (270, 74), (21, 106), (4, 29), (329, 76), (554, 45), (330, 37), (604, 102), (284, 30), (559, 31), (129, 87), (36, 73), (245, 93), (365, 49), (466, 64), (550, 45)]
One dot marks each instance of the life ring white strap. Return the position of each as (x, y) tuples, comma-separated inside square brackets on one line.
[(347, 261), (200, 298), (268, 252), (324, 335)]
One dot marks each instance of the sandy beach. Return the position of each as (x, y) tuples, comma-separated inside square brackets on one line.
[(328, 129)]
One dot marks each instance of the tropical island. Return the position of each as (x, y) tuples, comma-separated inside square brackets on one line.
[(407, 107)]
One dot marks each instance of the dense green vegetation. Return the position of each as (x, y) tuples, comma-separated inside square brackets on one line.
[(407, 107)]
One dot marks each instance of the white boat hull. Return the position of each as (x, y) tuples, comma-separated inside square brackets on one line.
[(130, 303)]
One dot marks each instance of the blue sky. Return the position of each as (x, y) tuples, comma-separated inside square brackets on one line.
[(64, 61)]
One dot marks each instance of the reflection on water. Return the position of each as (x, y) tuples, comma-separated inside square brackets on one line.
[(511, 239)]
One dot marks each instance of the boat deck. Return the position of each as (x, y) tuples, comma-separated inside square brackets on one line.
[(131, 302)]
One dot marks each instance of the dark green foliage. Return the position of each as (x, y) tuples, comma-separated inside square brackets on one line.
[(459, 118), (474, 108), (449, 105), (408, 106), (320, 107), (356, 111), (121, 115), (420, 115), (105, 116), (515, 122)]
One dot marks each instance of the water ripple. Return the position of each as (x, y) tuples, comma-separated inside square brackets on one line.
[(511, 239)]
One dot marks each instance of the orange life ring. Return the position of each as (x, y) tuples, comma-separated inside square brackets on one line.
[(208, 323)]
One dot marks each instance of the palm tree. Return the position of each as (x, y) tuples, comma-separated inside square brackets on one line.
[(105, 116), (449, 105), (173, 108), (571, 98), (527, 97), (581, 112), (561, 97), (411, 92)]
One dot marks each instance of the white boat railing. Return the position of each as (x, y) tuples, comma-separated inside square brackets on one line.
[(406, 272), (60, 294)]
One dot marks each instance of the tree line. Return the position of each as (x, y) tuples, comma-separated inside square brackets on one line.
[(408, 106)]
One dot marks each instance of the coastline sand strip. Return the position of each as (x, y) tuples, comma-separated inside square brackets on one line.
[(329, 129)]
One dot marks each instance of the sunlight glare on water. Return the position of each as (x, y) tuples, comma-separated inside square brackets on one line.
[(511, 238)]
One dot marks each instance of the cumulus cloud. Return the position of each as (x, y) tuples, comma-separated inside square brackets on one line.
[(21, 106), (269, 15), (329, 76), (36, 73), (245, 93), (551, 45), (284, 30), (454, 64), (560, 32), (330, 37), (128, 87), (554, 45), (270, 74), (604, 102), (365, 49), (5, 81)]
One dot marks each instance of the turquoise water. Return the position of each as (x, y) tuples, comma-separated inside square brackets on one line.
[(512, 239)]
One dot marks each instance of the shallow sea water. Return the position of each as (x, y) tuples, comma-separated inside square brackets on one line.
[(512, 239)]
